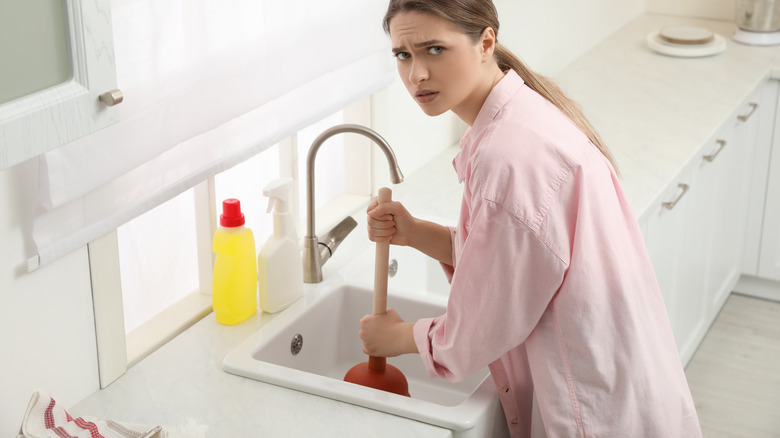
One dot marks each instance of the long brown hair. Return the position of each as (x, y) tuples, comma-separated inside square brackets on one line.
[(473, 17)]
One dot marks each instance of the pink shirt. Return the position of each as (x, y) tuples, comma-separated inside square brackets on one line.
[(552, 286)]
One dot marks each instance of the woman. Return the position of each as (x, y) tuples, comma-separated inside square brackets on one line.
[(551, 284)]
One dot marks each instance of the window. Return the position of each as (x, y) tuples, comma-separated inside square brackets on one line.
[(165, 254), (158, 261)]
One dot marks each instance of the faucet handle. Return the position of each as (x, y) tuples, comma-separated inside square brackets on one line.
[(334, 237)]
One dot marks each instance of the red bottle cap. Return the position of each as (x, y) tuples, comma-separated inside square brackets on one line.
[(231, 213)]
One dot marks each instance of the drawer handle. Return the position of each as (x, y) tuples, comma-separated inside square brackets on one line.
[(670, 205), (753, 107), (711, 157), (111, 98)]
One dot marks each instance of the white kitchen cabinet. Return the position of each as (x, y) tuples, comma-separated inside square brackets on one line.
[(665, 230), (769, 258), (761, 267), (43, 120), (758, 177), (675, 259), (696, 233), (723, 174)]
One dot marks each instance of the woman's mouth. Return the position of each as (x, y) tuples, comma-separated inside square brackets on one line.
[(425, 96)]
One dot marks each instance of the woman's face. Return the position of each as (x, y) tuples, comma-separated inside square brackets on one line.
[(440, 65)]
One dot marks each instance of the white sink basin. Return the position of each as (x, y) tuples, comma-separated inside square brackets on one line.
[(327, 320)]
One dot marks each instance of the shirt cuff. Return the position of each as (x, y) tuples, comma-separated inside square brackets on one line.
[(421, 329)]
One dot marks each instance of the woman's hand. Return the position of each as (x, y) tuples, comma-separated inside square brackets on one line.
[(387, 335), (390, 222)]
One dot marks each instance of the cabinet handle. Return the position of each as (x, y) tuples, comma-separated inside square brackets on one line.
[(721, 145), (670, 205), (113, 97), (753, 107)]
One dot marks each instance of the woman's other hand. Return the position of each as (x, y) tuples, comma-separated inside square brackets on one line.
[(387, 335)]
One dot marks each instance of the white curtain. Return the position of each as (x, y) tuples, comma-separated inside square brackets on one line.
[(207, 84)]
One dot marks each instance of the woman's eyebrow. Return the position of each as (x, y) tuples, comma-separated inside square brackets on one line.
[(418, 45), (427, 43)]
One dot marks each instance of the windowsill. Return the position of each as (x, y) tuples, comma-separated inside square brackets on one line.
[(166, 325)]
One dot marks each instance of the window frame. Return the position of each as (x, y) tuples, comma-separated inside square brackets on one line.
[(117, 351)]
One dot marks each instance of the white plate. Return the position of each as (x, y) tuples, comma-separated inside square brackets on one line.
[(686, 35), (658, 44)]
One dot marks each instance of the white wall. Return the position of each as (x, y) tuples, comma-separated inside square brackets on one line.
[(47, 329), (549, 34), (715, 9), (46, 318)]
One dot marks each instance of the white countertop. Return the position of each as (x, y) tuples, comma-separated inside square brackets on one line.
[(653, 111)]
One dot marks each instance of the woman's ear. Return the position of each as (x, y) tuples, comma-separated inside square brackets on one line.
[(488, 42)]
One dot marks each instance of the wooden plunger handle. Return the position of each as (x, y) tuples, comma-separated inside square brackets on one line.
[(381, 263)]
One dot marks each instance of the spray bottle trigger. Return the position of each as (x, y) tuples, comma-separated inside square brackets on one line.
[(278, 193)]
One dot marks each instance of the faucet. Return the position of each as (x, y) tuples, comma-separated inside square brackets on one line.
[(316, 253)]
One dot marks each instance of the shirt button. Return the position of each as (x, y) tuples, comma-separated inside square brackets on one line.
[(514, 421), (505, 389)]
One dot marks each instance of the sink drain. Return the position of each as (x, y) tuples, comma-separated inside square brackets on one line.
[(392, 269), (296, 344)]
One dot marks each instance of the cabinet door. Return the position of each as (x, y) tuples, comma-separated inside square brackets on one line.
[(769, 259), (679, 272), (42, 120), (758, 173), (722, 204)]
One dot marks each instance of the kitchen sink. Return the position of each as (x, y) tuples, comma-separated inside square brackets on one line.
[(311, 345)]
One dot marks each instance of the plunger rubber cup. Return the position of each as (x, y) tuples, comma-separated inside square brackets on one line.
[(389, 378), (376, 373)]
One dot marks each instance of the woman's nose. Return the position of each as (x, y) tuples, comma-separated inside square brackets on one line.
[(418, 73)]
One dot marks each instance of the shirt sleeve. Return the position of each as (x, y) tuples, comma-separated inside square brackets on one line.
[(503, 281), (449, 270)]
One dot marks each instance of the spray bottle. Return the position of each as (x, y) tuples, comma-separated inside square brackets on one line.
[(234, 288), (279, 266)]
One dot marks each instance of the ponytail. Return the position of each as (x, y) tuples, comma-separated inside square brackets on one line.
[(549, 90)]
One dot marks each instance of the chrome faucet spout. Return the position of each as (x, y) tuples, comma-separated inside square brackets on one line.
[(312, 260)]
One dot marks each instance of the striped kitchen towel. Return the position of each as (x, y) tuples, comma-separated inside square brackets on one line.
[(45, 419)]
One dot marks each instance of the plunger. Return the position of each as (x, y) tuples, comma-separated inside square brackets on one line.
[(377, 373)]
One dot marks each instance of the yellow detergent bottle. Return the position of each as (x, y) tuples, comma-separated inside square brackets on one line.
[(234, 288)]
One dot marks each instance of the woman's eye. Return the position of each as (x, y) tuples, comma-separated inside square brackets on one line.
[(435, 50), (401, 56)]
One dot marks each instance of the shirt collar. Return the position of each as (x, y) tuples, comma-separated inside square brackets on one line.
[(499, 96)]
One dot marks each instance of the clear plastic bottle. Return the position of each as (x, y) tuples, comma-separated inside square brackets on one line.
[(234, 288)]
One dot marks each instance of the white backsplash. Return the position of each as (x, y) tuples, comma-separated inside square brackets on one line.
[(714, 9)]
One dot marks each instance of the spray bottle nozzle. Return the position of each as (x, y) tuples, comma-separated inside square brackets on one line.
[(279, 191)]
